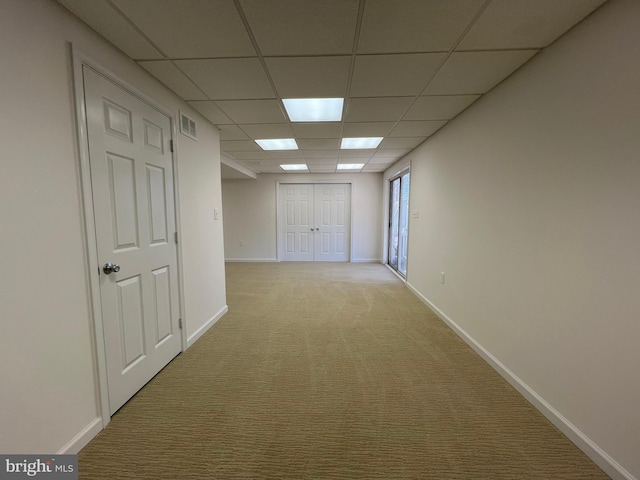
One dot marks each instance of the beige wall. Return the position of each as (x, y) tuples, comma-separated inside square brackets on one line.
[(48, 399), (250, 208), (529, 202)]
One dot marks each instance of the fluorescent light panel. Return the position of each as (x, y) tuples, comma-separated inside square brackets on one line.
[(314, 109), (350, 166), (360, 142), (293, 167), (278, 144)]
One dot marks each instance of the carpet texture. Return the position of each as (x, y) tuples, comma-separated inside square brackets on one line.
[(329, 371)]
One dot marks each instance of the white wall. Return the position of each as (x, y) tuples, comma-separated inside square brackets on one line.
[(202, 238), (250, 208), (529, 202), (48, 400)]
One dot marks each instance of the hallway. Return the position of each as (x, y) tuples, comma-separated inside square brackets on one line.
[(335, 371)]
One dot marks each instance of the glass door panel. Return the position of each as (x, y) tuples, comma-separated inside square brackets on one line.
[(399, 222), (403, 230), (394, 216)]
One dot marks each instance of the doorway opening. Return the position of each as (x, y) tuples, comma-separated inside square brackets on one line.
[(399, 222)]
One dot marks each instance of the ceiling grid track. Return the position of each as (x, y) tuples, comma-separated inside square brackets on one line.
[(404, 68)]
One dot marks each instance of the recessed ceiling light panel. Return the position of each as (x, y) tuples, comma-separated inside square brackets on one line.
[(278, 144), (360, 142), (294, 167), (350, 166), (314, 109)]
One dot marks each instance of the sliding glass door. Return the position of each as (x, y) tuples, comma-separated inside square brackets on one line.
[(399, 222)]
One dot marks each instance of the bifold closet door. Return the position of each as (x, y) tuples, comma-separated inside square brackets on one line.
[(315, 222)]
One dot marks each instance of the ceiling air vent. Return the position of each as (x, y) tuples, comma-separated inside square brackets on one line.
[(188, 126)]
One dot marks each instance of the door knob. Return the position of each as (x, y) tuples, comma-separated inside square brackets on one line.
[(109, 268)]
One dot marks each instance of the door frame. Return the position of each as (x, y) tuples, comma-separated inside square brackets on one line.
[(80, 60), (392, 178), (311, 182)]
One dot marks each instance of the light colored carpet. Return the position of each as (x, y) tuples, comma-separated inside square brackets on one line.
[(329, 371)]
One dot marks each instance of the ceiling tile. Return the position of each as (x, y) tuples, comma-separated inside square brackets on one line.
[(390, 153), (376, 167), (285, 161), (191, 28), (251, 155), (393, 75), (476, 72), (203, 51), (302, 27), (320, 153), (439, 107), (317, 130), (417, 128), (383, 160), (252, 111), (388, 28), (234, 146), (376, 109), (360, 154), (402, 142), (367, 129), (319, 143), (268, 130), (322, 161), (231, 132), (173, 78), (354, 159), (285, 156), (525, 24), (105, 20), (209, 110), (229, 78), (310, 77)]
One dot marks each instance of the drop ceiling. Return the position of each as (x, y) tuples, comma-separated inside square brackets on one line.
[(404, 67)]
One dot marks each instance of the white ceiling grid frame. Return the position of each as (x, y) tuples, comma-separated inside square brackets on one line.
[(207, 29), (244, 78), (405, 67)]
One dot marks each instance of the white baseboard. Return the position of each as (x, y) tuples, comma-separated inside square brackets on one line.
[(394, 271), (209, 323), (588, 446), (78, 442), (257, 260)]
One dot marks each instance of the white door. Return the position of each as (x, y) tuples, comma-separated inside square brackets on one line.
[(315, 222), (332, 222), (132, 186), (298, 228)]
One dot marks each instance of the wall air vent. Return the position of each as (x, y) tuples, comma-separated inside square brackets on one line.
[(188, 127)]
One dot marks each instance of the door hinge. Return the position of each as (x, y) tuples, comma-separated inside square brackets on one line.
[(171, 145), (180, 323), (175, 236)]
